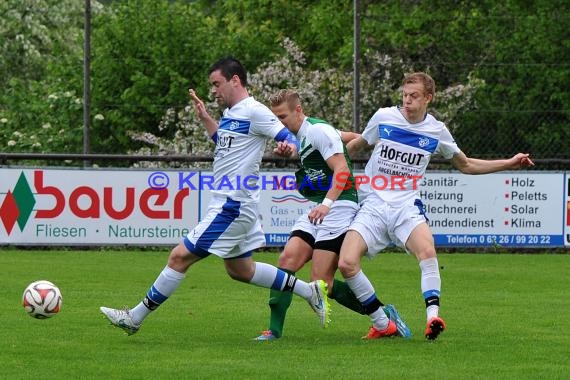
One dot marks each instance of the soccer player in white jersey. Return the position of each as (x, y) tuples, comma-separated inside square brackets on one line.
[(404, 139), (317, 235), (230, 229)]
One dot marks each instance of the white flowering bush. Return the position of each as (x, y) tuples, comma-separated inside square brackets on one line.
[(190, 138), (39, 110), (326, 94)]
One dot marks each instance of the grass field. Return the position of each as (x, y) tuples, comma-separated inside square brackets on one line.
[(507, 317)]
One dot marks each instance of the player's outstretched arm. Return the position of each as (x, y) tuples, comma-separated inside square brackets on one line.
[(356, 146), (347, 137), (469, 165)]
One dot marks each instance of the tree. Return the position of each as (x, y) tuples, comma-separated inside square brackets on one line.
[(509, 61), (145, 57), (518, 49), (290, 70), (527, 104), (39, 110)]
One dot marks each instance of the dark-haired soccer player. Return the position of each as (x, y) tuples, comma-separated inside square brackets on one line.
[(230, 229)]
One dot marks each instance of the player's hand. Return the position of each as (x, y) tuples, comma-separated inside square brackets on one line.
[(522, 160), (317, 214), (198, 105), (284, 149)]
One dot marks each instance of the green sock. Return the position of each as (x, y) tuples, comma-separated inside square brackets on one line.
[(279, 302), (342, 294)]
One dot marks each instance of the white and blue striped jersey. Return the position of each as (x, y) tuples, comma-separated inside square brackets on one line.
[(402, 153), (240, 140)]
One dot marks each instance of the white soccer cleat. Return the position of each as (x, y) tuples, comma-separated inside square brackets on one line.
[(121, 318), (319, 301)]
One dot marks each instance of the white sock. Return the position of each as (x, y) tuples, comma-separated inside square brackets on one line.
[(268, 276), (431, 284), (432, 311), (166, 283), (364, 291)]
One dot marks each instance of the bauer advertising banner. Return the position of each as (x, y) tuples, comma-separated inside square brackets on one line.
[(147, 207), (93, 207)]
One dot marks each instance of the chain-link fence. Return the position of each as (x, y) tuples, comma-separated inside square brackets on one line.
[(517, 52), (518, 100)]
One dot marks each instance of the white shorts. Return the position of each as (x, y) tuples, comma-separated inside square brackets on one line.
[(380, 224), (229, 229), (334, 224)]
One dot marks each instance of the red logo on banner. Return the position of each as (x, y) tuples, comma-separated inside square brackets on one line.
[(19, 203)]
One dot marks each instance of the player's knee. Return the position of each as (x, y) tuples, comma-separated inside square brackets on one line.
[(291, 261), (426, 253), (179, 259), (348, 268), (240, 270), (238, 276), (284, 258)]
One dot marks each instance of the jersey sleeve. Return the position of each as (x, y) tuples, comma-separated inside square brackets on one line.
[(326, 140), (370, 133), (447, 146), (264, 122)]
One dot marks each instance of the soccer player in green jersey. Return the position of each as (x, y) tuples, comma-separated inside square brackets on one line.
[(325, 171)]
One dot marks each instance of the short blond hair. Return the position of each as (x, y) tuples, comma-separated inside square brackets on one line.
[(423, 78), (291, 97)]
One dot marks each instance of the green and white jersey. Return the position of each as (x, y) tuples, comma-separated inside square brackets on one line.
[(318, 142)]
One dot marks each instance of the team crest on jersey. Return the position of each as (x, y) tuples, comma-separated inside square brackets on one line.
[(234, 125), (424, 141), (314, 174)]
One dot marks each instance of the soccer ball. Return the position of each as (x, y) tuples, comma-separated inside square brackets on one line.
[(42, 299)]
